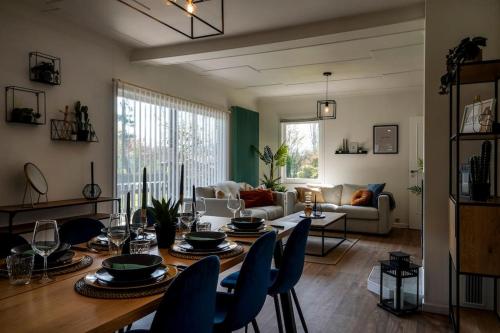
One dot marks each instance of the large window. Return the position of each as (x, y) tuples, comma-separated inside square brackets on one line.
[(161, 132), (303, 140)]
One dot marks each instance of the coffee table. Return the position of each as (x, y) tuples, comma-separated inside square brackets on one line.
[(322, 225)]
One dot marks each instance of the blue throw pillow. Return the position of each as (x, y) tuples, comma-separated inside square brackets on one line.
[(376, 189)]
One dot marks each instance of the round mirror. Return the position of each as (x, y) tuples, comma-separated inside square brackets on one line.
[(35, 177)]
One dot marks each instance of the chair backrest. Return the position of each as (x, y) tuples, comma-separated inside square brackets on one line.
[(189, 303), (150, 218), (292, 263), (8, 241), (253, 281), (80, 230)]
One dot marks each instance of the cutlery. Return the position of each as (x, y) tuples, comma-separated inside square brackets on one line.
[(84, 249)]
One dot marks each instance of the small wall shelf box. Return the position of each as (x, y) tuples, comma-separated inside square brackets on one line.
[(61, 130), (44, 68), (25, 105)]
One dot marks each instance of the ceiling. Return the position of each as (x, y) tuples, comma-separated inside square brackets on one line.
[(382, 57)]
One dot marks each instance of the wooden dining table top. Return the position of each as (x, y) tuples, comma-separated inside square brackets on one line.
[(57, 307)]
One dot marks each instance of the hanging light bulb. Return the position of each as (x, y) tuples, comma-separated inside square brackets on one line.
[(327, 108), (190, 7)]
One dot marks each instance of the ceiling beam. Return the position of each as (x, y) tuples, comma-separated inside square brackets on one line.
[(274, 40)]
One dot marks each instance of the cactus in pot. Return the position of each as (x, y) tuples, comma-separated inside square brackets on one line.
[(165, 214)]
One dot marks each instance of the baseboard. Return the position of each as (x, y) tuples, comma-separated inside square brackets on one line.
[(435, 308), (400, 225)]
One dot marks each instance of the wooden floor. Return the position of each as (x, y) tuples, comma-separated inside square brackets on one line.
[(335, 298)]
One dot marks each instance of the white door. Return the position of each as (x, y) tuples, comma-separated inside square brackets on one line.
[(415, 173)]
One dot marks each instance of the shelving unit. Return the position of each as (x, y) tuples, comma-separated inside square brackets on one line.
[(474, 249)]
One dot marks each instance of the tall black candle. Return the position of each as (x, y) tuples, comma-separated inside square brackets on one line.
[(128, 208), (181, 186), (92, 190)]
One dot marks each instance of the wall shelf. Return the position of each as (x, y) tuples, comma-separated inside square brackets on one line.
[(25, 106), (61, 130), (44, 68), (364, 152)]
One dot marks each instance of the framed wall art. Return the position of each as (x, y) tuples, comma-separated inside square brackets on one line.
[(385, 139)]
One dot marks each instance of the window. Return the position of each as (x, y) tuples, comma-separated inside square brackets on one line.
[(161, 132), (303, 140)]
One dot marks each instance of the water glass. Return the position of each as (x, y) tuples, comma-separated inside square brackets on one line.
[(139, 246), (233, 204), (203, 226), (118, 232), (20, 267), (245, 213), (201, 207), (187, 220), (45, 242)]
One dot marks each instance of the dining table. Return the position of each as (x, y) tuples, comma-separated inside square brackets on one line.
[(57, 307)]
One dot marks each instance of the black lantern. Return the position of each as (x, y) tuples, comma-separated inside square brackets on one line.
[(327, 108), (399, 284)]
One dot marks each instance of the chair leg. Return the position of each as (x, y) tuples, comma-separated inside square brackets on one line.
[(299, 310), (255, 326), (246, 328), (278, 313)]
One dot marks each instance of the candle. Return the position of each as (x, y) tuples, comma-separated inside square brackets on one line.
[(194, 197), (181, 186), (144, 219), (128, 208)]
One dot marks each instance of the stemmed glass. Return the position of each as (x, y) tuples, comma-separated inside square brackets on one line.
[(201, 208), (45, 242), (233, 204), (118, 231)]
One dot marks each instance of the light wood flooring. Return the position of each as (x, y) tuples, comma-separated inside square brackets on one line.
[(334, 298)]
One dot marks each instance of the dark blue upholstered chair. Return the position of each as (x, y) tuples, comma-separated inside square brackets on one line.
[(8, 241), (284, 279), (136, 217), (80, 230), (237, 310), (188, 305)]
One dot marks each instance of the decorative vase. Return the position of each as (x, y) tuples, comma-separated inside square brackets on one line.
[(308, 210), (165, 236)]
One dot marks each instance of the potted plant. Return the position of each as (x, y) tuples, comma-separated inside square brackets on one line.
[(165, 214), (273, 160), (82, 121)]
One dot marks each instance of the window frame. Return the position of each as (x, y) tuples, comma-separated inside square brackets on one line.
[(321, 157)]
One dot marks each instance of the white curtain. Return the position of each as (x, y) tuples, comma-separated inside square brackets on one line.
[(162, 132)]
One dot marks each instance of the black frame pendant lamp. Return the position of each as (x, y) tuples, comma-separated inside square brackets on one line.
[(327, 108)]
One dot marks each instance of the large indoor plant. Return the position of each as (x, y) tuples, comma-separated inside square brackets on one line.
[(273, 161), (165, 214)]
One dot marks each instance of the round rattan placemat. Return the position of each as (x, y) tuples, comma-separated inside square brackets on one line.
[(183, 255), (82, 263)]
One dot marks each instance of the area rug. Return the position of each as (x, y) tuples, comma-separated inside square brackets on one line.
[(332, 258)]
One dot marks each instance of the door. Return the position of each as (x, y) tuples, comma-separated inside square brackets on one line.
[(415, 172)]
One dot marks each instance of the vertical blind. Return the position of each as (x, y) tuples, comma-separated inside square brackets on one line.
[(161, 133)]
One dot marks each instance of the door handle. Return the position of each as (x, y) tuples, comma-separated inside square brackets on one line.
[(414, 171)]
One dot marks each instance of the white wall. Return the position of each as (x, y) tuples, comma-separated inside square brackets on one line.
[(89, 62), (356, 116), (447, 22)]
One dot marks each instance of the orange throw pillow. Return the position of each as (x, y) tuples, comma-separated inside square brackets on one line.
[(257, 198), (362, 198), (315, 192)]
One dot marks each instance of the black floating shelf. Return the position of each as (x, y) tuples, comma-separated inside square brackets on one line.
[(25, 106), (347, 153), (475, 136), (44, 68), (61, 130)]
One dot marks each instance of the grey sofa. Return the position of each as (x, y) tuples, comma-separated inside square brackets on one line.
[(359, 218)]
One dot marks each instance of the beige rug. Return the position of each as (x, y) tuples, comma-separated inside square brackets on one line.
[(332, 258)]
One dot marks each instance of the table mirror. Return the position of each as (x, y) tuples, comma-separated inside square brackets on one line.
[(35, 181)]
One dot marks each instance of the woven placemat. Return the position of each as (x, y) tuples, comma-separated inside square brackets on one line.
[(233, 253), (85, 262), (87, 290)]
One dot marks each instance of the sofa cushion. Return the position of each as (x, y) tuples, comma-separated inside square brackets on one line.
[(257, 198), (332, 195), (359, 212), (376, 189), (225, 189), (205, 192), (362, 198), (348, 191), (267, 212), (315, 193)]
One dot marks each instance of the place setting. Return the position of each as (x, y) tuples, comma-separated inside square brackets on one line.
[(45, 256), (246, 226)]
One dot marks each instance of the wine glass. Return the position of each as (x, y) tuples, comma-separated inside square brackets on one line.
[(201, 207), (233, 204), (187, 207), (118, 231), (45, 242), (187, 219)]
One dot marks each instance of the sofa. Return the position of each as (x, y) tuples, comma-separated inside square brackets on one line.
[(215, 198), (364, 219)]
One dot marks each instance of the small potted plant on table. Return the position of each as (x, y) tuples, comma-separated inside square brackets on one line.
[(165, 214)]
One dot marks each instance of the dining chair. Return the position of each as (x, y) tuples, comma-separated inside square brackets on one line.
[(8, 241), (80, 230), (236, 310), (284, 279), (136, 217), (188, 305)]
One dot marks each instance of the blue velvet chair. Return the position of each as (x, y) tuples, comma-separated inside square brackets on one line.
[(8, 241), (136, 217), (188, 305), (80, 230), (284, 279), (237, 310)]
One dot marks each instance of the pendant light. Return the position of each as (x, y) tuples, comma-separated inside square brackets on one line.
[(327, 108)]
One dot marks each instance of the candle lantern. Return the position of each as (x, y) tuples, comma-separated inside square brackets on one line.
[(399, 284)]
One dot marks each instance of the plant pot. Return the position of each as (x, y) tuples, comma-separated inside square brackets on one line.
[(479, 192), (165, 236), (82, 135)]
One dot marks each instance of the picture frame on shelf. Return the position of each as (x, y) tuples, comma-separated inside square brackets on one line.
[(386, 139), (353, 147), (478, 117)]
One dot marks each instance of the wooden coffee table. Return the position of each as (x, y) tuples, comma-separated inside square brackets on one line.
[(322, 225)]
